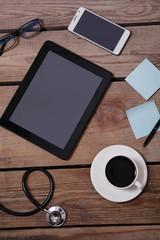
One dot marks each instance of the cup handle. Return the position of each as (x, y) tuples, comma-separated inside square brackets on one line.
[(138, 185)]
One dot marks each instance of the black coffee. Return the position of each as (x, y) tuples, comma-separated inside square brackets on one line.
[(120, 171)]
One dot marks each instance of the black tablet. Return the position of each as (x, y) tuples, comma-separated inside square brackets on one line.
[(56, 99)]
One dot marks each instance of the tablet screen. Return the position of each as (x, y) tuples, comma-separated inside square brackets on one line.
[(56, 99)]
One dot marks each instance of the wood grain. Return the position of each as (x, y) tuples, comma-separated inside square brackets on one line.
[(85, 233), (143, 43), (75, 193), (89, 216), (59, 13), (108, 126)]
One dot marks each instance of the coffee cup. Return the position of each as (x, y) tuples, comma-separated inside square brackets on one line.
[(122, 173)]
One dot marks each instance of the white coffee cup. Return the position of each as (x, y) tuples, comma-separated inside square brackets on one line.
[(117, 175)]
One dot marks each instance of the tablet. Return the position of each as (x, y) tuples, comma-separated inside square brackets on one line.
[(55, 100)]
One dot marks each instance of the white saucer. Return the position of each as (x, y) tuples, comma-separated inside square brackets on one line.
[(98, 176)]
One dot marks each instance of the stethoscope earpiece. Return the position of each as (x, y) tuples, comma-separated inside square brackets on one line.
[(55, 216)]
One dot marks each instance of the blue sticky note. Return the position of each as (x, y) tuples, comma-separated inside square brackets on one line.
[(145, 79), (143, 118)]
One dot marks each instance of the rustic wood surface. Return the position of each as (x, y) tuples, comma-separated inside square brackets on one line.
[(59, 13), (107, 127), (89, 216), (14, 64), (75, 193), (85, 233)]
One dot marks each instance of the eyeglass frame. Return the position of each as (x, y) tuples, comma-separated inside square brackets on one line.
[(17, 33)]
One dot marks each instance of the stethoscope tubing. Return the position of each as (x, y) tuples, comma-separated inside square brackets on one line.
[(40, 207)]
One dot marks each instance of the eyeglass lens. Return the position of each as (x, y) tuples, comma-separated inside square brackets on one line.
[(30, 29), (6, 42)]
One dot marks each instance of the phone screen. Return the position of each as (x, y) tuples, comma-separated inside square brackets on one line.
[(99, 30)]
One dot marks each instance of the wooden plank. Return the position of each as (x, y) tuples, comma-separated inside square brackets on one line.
[(108, 126), (59, 13), (85, 233), (75, 193), (142, 43)]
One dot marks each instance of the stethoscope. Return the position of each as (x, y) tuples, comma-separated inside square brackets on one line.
[(55, 215)]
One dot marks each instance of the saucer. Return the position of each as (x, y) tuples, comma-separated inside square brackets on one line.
[(98, 176)]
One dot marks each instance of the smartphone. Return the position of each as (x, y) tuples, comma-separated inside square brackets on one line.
[(99, 30)]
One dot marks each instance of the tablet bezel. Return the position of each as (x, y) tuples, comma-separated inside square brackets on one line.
[(62, 153)]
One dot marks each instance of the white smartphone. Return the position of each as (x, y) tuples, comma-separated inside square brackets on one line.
[(99, 30)]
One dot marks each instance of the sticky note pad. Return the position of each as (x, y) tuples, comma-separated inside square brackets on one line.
[(145, 79), (143, 118)]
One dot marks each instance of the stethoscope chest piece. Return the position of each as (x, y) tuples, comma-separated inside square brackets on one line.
[(56, 216)]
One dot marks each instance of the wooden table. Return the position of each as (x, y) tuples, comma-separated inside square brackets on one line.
[(89, 216)]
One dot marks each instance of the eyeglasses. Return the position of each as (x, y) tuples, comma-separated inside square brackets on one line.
[(28, 30)]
